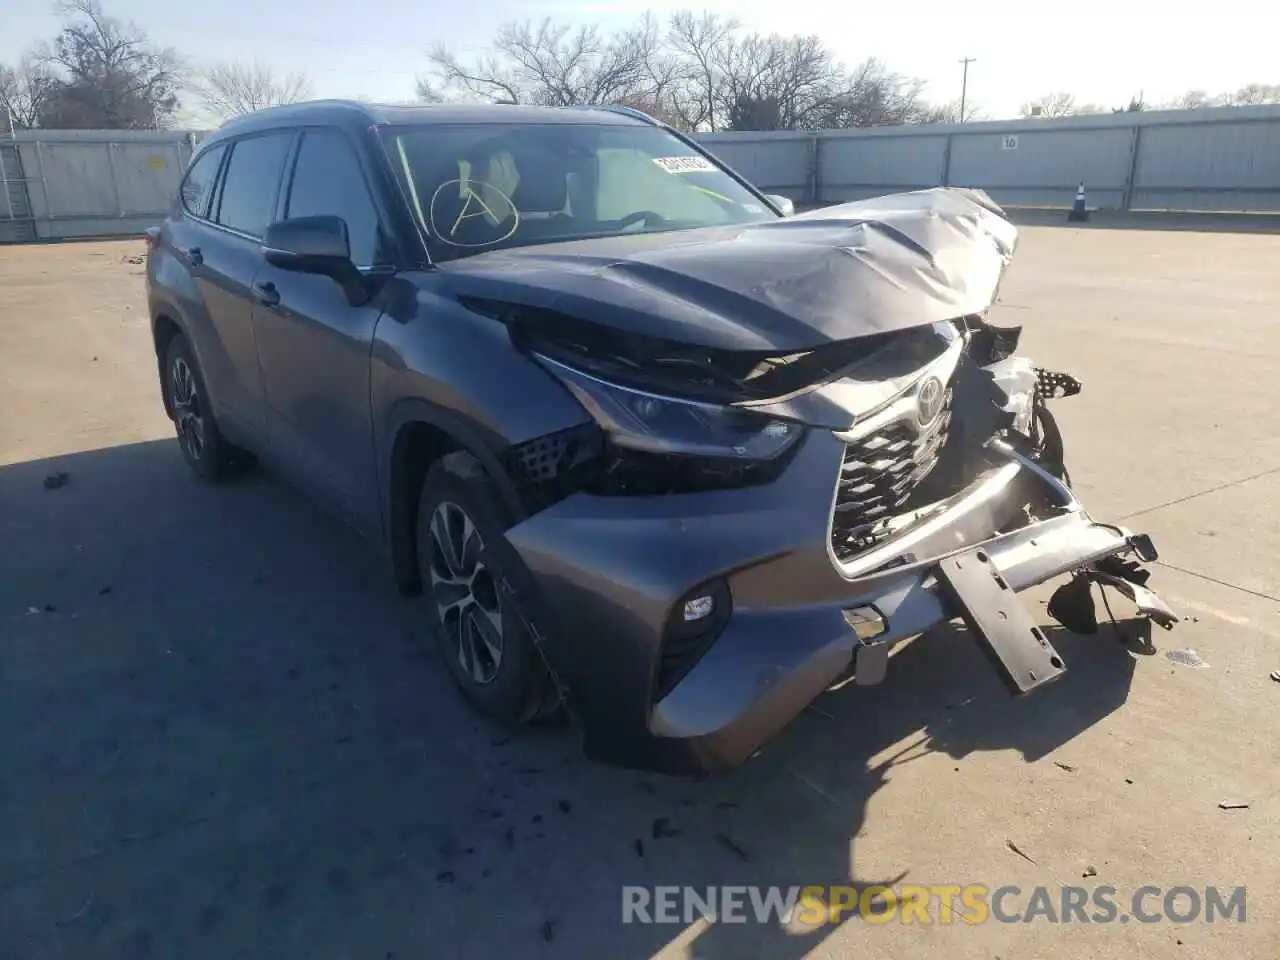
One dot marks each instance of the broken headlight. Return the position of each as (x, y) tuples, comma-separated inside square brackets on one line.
[(636, 420)]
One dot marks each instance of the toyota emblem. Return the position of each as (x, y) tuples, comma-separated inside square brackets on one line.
[(929, 401)]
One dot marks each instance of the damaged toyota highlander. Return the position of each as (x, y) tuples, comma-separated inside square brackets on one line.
[(650, 449)]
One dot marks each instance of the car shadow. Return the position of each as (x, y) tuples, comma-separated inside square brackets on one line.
[(226, 729)]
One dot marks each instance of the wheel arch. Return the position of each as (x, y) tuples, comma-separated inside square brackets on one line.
[(163, 330), (417, 435)]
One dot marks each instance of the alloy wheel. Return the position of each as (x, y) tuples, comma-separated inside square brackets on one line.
[(465, 593), (187, 407)]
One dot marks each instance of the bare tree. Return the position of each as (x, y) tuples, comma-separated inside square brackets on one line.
[(1061, 104), (109, 73), (701, 73), (1191, 100), (698, 43), (872, 95), (24, 92), (547, 64), (1252, 95), (231, 89)]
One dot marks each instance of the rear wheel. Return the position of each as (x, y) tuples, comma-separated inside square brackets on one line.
[(203, 446), (464, 559)]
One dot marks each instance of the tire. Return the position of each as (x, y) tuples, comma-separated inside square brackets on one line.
[(482, 637), (207, 453)]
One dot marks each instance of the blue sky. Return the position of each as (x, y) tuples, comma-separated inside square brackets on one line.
[(1101, 51)]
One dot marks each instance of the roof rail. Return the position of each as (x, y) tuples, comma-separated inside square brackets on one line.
[(629, 112)]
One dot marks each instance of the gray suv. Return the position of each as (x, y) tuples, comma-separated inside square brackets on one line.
[(651, 449)]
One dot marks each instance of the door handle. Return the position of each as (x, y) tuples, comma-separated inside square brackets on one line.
[(266, 293), (194, 256)]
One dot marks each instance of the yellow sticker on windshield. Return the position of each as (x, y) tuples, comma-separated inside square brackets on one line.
[(685, 164)]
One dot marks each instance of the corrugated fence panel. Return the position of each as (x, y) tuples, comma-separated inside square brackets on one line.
[(147, 175), (100, 183), (1219, 159), (854, 167), (779, 160), (78, 181), (1043, 167), (1225, 166)]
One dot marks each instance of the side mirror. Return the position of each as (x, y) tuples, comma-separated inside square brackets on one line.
[(785, 206), (316, 245)]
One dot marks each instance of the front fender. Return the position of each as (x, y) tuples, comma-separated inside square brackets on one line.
[(434, 362)]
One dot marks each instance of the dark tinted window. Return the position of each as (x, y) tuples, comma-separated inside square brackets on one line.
[(327, 180), (198, 185), (249, 185)]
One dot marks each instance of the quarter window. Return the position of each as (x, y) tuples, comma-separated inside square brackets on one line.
[(197, 188), (249, 186)]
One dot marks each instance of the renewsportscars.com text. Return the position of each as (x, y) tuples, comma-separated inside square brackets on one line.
[(937, 903)]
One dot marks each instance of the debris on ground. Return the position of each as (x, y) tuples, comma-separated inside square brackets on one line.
[(137, 261), (34, 611), (103, 591), (1231, 805), (445, 876), (1275, 675), (1064, 766), (662, 828), (549, 930), (1127, 780), (1089, 871), (727, 842), (1014, 847), (1186, 658), (77, 915), (565, 806), (56, 481)]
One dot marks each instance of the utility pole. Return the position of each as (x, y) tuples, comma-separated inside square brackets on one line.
[(964, 83)]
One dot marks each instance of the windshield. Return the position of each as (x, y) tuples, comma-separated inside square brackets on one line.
[(488, 186)]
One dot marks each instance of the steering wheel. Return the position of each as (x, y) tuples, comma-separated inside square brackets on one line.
[(648, 216)]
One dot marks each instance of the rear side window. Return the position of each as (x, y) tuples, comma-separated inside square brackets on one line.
[(197, 188), (327, 180), (248, 198)]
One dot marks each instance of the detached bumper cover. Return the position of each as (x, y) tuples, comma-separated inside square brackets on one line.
[(610, 570)]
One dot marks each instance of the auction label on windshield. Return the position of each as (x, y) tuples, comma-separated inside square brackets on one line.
[(685, 164)]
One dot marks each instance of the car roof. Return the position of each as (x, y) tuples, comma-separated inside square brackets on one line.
[(355, 113)]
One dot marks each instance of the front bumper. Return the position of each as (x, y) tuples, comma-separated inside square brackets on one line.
[(609, 571)]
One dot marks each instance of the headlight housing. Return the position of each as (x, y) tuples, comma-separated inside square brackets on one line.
[(649, 423)]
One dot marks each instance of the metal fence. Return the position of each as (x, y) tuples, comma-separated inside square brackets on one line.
[(89, 183), (63, 184), (1224, 159)]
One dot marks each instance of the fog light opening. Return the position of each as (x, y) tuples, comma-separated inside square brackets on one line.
[(867, 623), (699, 608)]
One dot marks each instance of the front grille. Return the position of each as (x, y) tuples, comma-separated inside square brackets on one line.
[(879, 473)]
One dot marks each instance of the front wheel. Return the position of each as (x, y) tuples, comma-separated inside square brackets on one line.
[(464, 559)]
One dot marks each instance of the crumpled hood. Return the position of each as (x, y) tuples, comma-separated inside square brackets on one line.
[(852, 270)]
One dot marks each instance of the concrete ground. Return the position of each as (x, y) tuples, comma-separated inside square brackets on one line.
[(222, 734)]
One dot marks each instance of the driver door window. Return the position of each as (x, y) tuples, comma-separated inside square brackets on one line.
[(327, 180)]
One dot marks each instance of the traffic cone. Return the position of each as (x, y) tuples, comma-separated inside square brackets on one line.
[(1079, 213)]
